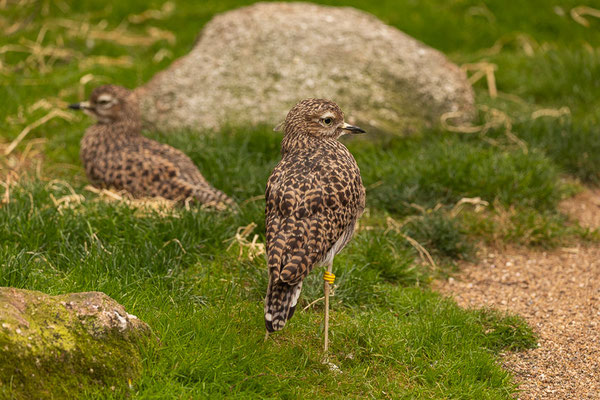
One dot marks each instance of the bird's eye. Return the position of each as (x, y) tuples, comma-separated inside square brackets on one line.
[(103, 101), (327, 121)]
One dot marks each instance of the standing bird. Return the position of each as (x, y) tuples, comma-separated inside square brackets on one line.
[(314, 197), (114, 153)]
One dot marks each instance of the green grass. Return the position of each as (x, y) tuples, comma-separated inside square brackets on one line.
[(391, 335), (205, 305)]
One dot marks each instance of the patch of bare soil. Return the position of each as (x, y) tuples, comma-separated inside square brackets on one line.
[(558, 293), (585, 208)]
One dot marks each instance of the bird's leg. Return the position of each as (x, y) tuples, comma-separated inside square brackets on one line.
[(326, 290), (266, 335)]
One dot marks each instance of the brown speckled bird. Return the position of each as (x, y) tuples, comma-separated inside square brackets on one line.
[(314, 197), (115, 154)]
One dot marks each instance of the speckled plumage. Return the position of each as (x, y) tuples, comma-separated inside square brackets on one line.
[(115, 154), (314, 197)]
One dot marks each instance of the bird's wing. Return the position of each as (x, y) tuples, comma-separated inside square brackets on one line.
[(145, 173), (306, 215), (187, 169), (156, 169)]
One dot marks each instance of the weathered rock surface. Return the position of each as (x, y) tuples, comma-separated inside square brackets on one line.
[(55, 347), (251, 65)]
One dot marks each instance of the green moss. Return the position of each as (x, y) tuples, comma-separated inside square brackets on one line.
[(58, 353)]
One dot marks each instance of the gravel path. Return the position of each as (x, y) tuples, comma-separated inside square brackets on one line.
[(558, 293)]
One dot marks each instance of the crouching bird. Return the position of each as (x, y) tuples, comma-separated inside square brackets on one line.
[(314, 197), (115, 154)]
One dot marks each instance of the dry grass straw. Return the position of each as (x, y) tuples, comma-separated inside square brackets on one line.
[(481, 10), (551, 112), (165, 11), (14, 166), (527, 43), (578, 12), (483, 69), (123, 61), (120, 35), (476, 202), (494, 118), (249, 249), (161, 55), (80, 89), (17, 163), (144, 206), (42, 57), (312, 303), (69, 201), (393, 225), (54, 113)]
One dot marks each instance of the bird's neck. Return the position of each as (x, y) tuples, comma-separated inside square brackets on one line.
[(293, 141), (126, 126), (113, 134)]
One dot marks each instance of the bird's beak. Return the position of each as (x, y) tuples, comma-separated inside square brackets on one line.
[(352, 128), (84, 105)]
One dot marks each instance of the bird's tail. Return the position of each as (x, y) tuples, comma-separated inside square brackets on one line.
[(212, 197), (280, 303)]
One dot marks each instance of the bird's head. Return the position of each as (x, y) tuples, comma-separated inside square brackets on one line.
[(110, 103), (318, 118)]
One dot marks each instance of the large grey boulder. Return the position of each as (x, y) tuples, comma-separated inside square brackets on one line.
[(56, 347), (251, 65)]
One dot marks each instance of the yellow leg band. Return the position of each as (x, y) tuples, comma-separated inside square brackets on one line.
[(329, 277)]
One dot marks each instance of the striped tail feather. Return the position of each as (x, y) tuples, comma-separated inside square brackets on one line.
[(181, 190), (280, 304), (211, 196)]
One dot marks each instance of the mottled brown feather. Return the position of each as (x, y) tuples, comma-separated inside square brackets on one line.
[(314, 197)]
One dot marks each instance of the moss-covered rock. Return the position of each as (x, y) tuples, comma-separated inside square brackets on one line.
[(56, 347)]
